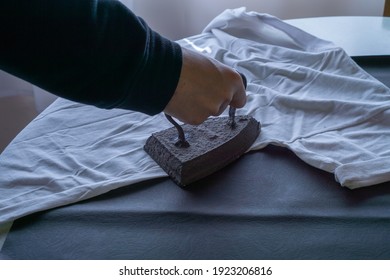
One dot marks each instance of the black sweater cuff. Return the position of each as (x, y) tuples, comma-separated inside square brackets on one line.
[(157, 76)]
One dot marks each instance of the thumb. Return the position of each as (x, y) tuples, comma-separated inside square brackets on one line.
[(239, 97)]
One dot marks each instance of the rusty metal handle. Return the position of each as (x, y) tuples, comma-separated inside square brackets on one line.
[(182, 142), (232, 110)]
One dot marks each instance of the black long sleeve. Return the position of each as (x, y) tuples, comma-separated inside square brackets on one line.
[(90, 51)]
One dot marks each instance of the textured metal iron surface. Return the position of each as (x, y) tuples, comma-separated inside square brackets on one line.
[(212, 145)]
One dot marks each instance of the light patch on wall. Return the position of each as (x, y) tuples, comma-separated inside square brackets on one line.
[(177, 19)]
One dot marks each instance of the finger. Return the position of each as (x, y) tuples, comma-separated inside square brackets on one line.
[(222, 108), (239, 98)]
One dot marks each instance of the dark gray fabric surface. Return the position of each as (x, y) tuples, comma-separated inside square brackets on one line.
[(267, 205)]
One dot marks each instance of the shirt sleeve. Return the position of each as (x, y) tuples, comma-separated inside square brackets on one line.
[(90, 51)]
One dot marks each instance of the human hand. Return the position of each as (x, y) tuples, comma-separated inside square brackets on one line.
[(206, 87)]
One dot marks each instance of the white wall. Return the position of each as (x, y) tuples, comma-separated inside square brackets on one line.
[(180, 18)]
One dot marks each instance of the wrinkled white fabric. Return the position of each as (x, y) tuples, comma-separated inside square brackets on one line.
[(307, 93)]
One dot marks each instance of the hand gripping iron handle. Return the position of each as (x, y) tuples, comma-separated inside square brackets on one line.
[(182, 142)]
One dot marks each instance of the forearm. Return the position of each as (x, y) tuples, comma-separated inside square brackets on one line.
[(95, 52)]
